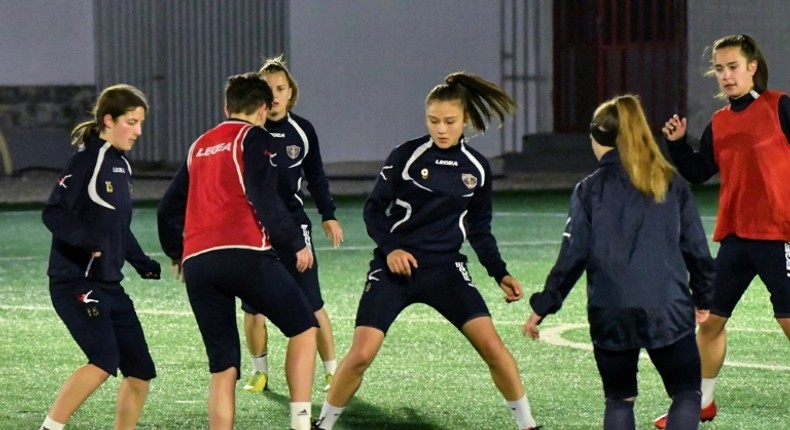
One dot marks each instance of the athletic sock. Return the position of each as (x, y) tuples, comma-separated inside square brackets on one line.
[(619, 414), (50, 424), (329, 416), (300, 415), (330, 366), (708, 384), (684, 411), (261, 363), (521, 412)]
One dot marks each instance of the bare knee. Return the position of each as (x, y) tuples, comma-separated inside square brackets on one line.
[(493, 351), (712, 328), (359, 359), (137, 384), (785, 324)]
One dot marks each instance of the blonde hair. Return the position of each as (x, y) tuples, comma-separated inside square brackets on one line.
[(649, 171), (275, 65)]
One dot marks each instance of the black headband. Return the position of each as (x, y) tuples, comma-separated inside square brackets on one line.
[(605, 138)]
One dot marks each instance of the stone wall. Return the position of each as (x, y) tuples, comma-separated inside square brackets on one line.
[(35, 122)]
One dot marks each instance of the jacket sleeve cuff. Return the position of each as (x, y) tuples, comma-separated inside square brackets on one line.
[(545, 303)]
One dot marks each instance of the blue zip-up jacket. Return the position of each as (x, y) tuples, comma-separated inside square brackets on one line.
[(90, 209), (641, 257), (299, 156), (428, 201)]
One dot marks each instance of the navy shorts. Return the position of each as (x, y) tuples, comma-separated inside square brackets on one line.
[(739, 261), (678, 364), (446, 287), (307, 280), (102, 319), (216, 278)]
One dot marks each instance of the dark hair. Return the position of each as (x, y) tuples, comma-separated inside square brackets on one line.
[(750, 50), (479, 98), (246, 92), (277, 64), (649, 171), (115, 101)]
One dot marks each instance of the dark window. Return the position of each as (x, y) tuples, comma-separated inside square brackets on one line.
[(603, 48)]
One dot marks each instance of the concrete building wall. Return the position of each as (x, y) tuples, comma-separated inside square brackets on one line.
[(46, 42), (365, 67)]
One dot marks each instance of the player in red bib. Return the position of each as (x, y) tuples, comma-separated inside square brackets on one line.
[(220, 218), (747, 144)]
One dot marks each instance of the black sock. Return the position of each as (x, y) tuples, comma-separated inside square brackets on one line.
[(685, 410), (619, 415)]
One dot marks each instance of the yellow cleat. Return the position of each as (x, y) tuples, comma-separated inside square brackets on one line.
[(258, 382), (328, 378)]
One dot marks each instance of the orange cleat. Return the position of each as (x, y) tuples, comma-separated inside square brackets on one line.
[(708, 413)]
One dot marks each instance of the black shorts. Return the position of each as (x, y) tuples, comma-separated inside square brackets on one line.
[(678, 364), (307, 280), (216, 278), (446, 287), (739, 261), (102, 319)]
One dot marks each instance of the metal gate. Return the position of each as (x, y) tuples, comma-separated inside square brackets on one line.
[(605, 48), (179, 53), (525, 32)]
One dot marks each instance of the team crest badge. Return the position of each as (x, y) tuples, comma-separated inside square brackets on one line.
[(469, 180), (293, 151)]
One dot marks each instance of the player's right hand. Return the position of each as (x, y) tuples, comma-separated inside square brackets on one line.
[(304, 259), (176, 269), (400, 262), (675, 128)]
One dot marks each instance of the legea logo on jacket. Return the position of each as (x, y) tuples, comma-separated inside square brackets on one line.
[(211, 150)]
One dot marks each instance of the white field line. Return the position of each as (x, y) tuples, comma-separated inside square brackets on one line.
[(320, 248), (553, 335)]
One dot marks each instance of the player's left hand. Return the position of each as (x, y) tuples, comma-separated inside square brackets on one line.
[(333, 232), (531, 326), (512, 289)]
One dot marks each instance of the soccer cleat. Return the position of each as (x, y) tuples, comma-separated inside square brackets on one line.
[(708, 413), (258, 382), (328, 378)]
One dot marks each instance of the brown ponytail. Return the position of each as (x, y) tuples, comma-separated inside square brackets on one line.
[(480, 98)]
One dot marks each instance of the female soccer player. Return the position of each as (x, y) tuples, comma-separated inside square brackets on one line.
[(433, 193), (298, 157), (89, 214), (747, 142), (218, 220), (635, 229)]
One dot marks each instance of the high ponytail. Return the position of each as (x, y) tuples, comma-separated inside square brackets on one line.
[(481, 99)]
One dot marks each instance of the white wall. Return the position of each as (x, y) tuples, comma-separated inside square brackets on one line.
[(708, 20), (46, 42), (368, 65)]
